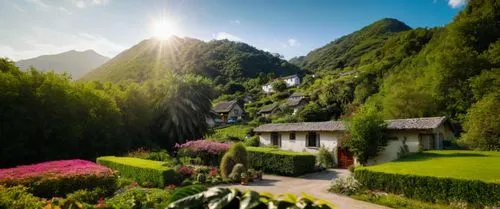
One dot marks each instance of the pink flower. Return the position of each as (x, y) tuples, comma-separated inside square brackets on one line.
[(204, 146)]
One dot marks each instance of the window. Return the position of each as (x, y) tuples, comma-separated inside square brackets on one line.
[(292, 135), (275, 139), (312, 139)]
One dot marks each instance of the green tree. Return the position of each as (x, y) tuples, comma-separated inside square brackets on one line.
[(367, 134), (482, 124), (279, 85)]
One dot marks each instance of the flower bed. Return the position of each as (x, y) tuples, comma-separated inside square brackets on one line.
[(56, 178), (208, 151)]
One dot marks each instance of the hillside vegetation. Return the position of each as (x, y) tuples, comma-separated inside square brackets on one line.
[(221, 60)]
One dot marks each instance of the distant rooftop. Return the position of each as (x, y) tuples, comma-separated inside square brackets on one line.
[(224, 106)]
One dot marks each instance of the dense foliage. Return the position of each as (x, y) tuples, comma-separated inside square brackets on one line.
[(272, 160), (221, 60), (224, 198), (367, 136), (46, 116), (59, 177), (430, 188), (237, 154), (146, 172), (208, 151)]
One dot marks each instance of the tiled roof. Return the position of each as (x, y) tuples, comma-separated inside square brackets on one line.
[(224, 107), (298, 94), (292, 102), (268, 108), (290, 76), (415, 123), (397, 124)]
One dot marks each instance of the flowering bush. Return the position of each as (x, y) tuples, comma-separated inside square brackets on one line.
[(345, 185), (213, 172), (186, 171), (208, 151), (55, 178)]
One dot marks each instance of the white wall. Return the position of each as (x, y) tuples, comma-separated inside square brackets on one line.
[(393, 147), (293, 81), (268, 88)]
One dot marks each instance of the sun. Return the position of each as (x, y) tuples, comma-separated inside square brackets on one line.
[(163, 29)]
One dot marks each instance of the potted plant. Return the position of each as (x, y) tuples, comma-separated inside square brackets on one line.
[(259, 175), (251, 175), (244, 178)]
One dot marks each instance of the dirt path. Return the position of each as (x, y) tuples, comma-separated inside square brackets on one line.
[(315, 184)]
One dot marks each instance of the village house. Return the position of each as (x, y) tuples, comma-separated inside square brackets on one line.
[(228, 110), (268, 110), (290, 81), (296, 101), (416, 133)]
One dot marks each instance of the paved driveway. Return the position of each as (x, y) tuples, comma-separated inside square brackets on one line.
[(315, 184)]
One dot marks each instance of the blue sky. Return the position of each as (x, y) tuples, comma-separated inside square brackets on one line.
[(30, 28)]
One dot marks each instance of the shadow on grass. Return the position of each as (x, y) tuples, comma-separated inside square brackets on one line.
[(428, 156)]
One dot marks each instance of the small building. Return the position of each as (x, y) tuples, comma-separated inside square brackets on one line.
[(228, 110), (290, 81), (416, 133), (297, 101), (268, 110)]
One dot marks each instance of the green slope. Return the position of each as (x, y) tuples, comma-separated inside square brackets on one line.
[(221, 60)]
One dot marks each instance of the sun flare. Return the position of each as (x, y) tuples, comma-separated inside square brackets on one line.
[(163, 29)]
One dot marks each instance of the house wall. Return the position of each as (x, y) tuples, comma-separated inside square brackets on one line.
[(293, 81), (393, 147), (236, 112), (268, 88), (327, 139)]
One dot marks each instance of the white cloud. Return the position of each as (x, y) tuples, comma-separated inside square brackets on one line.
[(46, 41), (64, 10), (456, 3), (228, 36), (39, 4), (235, 22), (18, 8), (86, 3), (292, 42)]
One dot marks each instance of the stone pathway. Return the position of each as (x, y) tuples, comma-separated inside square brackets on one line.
[(315, 184)]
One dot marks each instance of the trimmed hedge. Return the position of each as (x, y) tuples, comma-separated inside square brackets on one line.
[(141, 170), (288, 163), (430, 188)]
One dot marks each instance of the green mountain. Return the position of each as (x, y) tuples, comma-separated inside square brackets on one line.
[(221, 60), (74, 62), (349, 50)]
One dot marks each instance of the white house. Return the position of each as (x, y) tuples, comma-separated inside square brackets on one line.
[(416, 133), (290, 81), (296, 101)]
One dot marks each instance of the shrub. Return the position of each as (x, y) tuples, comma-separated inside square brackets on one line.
[(238, 169), (186, 171), (87, 196), (429, 188), (351, 168), (236, 154), (239, 154), (345, 185), (271, 160), (213, 172), (208, 151), (57, 178), (201, 177), (252, 141), (18, 197), (233, 198), (140, 198), (186, 191), (326, 158), (143, 171), (226, 165)]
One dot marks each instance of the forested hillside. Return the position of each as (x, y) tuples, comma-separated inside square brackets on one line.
[(451, 71), (220, 60)]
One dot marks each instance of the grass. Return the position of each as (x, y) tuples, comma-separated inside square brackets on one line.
[(239, 131), (397, 201), (471, 165)]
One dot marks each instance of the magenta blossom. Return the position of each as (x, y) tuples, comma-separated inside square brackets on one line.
[(204, 146)]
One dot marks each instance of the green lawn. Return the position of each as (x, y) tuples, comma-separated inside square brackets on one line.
[(473, 165), (239, 131)]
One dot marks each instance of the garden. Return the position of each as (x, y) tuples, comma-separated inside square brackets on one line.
[(430, 179), (155, 179)]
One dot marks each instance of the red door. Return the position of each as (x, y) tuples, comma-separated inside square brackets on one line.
[(345, 157)]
